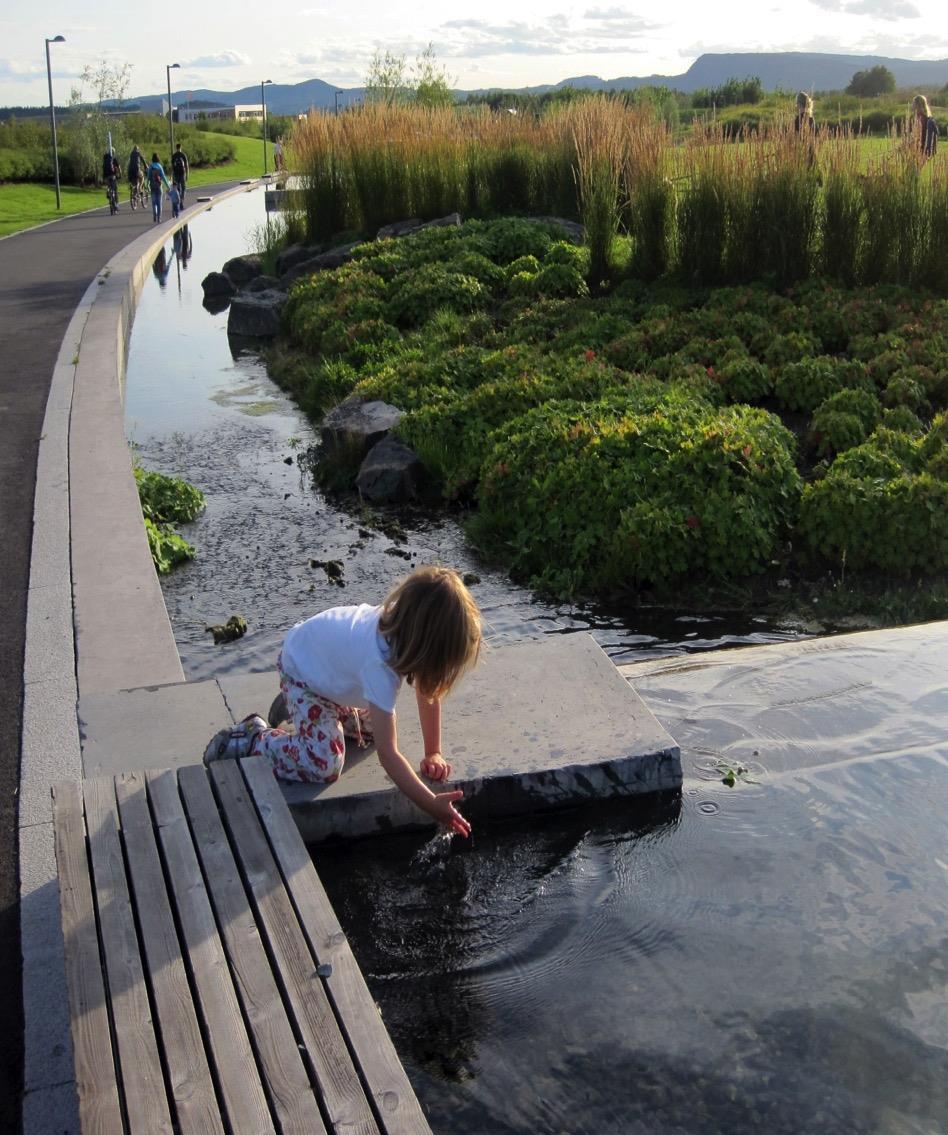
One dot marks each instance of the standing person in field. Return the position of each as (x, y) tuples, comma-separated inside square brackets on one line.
[(345, 666), (156, 179), (180, 171), (804, 125), (803, 122), (278, 155), (925, 125)]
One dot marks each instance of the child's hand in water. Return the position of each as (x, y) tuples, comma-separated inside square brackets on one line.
[(447, 815), (435, 767)]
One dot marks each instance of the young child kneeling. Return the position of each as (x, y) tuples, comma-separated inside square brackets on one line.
[(346, 665)]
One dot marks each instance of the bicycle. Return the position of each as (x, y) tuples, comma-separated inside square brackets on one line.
[(111, 192), (137, 195)]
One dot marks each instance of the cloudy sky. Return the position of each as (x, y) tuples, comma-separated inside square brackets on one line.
[(231, 44)]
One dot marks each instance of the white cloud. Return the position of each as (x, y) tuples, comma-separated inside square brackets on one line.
[(19, 71), (611, 31), (881, 9), (220, 59)]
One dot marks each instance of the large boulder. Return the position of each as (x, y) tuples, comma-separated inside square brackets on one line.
[(575, 231), (262, 284), (391, 473), (415, 225), (334, 258), (218, 286), (350, 429), (295, 254), (242, 269), (256, 315)]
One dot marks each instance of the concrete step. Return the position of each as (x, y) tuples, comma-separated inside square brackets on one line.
[(539, 724)]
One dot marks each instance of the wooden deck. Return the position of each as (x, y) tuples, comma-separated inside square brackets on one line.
[(211, 987)]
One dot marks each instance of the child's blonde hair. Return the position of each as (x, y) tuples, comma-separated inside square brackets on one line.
[(920, 106), (804, 103), (433, 627)]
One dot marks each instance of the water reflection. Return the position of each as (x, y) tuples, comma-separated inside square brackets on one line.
[(777, 965)]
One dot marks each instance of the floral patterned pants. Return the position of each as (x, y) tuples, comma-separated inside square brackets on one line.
[(316, 751)]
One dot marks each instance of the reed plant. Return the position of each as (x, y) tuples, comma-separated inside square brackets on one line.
[(649, 205), (843, 208), (702, 207), (600, 156), (934, 251)]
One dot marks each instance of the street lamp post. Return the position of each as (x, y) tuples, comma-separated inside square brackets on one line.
[(263, 101), (169, 67), (336, 95), (52, 114)]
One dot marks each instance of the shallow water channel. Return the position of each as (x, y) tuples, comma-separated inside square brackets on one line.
[(771, 957)]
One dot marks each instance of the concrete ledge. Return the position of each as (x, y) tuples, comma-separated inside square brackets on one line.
[(540, 724), (123, 635)]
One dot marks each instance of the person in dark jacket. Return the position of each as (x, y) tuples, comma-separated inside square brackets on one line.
[(926, 126)]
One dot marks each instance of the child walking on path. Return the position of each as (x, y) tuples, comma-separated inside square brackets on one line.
[(346, 665)]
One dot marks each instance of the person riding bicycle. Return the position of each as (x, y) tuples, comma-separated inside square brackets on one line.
[(180, 168), (136, 171), (110, 174)]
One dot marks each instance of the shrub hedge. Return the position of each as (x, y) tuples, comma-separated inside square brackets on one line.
[(650, 434)]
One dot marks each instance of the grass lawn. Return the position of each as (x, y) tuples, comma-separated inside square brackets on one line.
[(25, 204)]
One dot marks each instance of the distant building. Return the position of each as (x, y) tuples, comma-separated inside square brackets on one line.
[(241, 113)]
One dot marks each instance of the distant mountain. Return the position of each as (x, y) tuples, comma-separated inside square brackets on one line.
[(282, 98), (779, 70)]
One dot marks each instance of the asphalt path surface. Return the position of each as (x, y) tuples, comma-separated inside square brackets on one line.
[(44, 273)]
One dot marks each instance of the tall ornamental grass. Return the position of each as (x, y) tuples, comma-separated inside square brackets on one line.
[(600, 156), (723, 208)]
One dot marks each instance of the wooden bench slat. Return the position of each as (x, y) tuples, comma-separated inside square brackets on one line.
[(342, 1093), (100, 1111), (398, 1108), (245, 1100), (284, 1073), (192, 1089), (143, 1085)]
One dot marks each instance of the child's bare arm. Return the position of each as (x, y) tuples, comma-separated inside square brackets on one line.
[(433, 766), (440, 806)]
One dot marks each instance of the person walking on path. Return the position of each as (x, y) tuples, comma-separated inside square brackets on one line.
[(340, 673), (926, 126), (278, 155), (180, 171), (156, 179)]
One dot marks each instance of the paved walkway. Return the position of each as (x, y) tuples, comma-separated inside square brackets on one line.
[(44, 273)]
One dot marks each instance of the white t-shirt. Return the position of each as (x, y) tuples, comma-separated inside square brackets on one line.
[(340, 654)]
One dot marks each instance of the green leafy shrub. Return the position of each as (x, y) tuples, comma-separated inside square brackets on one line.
[(897, 524), (744, 379), (559, 281), (844, 420), (790, 348), (601, 495), (903, 420), (903, 390), (167, 501), (431, 287), (804, 385), (168, 548)]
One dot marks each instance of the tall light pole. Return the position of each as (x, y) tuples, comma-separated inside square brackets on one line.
[(169, 67), (263, 101), (336, 95), (52, 113)]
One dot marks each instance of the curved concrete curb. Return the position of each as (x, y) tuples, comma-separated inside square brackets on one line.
[(96, 622)]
